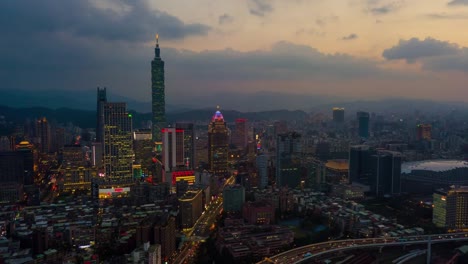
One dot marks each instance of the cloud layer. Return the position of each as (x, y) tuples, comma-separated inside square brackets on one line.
[(433, 54), (134, 21)]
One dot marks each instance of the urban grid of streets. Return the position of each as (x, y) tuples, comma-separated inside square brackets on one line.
[(201, 228)]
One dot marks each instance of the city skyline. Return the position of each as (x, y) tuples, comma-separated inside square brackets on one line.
[(360, 49)]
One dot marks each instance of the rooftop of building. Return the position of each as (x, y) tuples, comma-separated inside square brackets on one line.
[(337, 164), (433, 165)]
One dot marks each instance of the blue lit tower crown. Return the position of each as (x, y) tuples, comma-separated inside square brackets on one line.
[(158, 94)]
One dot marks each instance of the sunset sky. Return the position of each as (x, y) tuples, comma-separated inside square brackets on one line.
[(353, 48)]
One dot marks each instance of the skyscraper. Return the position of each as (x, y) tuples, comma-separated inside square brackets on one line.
[(262, 170), (101, 100), (189, 144), (173, 148), (363, 119), (118, 153), (338, 115), (234, 198), (386, 173), (218, 144), (43, 134), (359, 164), (288, 159), (158, 94), (451, 208), (239, 139), (423, 132)]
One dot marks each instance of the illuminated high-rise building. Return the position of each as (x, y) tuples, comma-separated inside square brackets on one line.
[(451, 208), (43, 134), (158, 94), (118, 152), (189, 144), (101, 100), (143, 148), (218, 144), (423, 132), (191, 207)]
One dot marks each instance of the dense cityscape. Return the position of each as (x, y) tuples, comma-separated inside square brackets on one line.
[(370, 187), (366, 184)]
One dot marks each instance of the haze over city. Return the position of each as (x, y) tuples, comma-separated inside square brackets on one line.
[(356, 49)]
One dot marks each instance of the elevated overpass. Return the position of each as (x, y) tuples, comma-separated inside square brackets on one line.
[(296, 255)]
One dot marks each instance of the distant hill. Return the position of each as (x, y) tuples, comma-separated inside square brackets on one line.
[(87, 119)]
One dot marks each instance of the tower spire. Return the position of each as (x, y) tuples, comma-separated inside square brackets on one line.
[(157, 51)]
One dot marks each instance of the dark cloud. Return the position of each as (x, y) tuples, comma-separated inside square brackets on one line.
[(225, 19), (458, 2), (136, 22), (259, 7), (447, 16), (350, 37), (434, 55), (376, 7), (413, 49), (381, 10)]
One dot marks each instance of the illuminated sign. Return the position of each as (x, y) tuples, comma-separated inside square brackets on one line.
[(110, 191), (188, 176)]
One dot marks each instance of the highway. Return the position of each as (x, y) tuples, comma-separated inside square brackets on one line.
[(297, 255), (201, 229)]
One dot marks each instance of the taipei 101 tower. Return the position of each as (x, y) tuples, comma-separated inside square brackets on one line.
[(158, 94)]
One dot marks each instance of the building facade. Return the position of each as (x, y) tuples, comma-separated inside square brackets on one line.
[(101, 100), (288, 159), (173, 148), (423, 132), (385, 173), (189, 144), (43, 135), (158, 94), (240, 135), (218, 145), (451, 208), (338, 115), (363, 122), (234, 198), (118, 144), (191, 207)]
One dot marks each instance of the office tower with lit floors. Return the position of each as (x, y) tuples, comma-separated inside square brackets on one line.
[(118, 153), (218, 145), (451, 208), (158, 94)]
